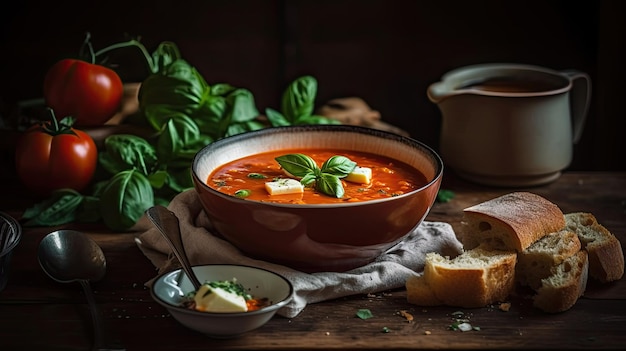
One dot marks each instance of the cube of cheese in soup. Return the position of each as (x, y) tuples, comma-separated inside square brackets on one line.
[(284, 186), (362, 175)]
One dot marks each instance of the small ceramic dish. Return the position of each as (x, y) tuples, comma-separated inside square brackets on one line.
[(169, 290)]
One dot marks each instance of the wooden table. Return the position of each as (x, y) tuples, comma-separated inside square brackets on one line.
[(39, 314)]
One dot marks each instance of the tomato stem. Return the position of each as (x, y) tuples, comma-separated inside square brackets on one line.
[(55, 123), (153, 65), (135, 43), (88, 46), (54, 127)]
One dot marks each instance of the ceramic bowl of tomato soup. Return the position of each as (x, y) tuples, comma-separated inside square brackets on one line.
[(308, 229)]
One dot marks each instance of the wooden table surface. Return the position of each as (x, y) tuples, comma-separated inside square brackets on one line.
[(37, 313)]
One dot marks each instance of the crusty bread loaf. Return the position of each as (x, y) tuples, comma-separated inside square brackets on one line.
[(475, 278), (520, 238), (511, 221), (538, 260), (561, 290), (606, 257)]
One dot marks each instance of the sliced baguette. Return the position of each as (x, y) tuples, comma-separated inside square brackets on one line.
[(475, 278), (418, 292), (512, 221), (561, 290), (520, 237), (606, 256), (538, 260)]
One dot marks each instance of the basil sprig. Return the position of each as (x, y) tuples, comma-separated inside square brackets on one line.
[(326, 180)]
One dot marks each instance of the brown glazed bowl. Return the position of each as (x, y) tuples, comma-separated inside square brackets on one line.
[(315, 238)]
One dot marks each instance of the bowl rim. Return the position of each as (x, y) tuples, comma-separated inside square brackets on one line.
[(16, 234), (267, 309), (438, 161)]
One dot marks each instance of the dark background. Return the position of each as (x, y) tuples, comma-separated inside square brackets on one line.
[(386, 52)]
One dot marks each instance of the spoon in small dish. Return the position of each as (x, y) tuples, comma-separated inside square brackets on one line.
[(67, 256), (167, 223)]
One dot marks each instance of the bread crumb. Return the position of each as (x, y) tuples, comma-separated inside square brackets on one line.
[(505, 306), (427, 332), (405, 314)]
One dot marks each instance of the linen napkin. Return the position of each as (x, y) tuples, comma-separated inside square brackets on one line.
[(388, 271)]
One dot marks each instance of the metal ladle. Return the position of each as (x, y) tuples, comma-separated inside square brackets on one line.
[(167, 223), (67, 256)]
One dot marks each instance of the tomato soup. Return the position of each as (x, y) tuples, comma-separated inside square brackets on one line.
[(249, 174)]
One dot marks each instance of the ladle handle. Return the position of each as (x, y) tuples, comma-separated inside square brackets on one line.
[(98, 325), (167, 222)]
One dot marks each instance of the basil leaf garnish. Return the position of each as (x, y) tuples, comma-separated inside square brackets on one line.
[(298, 165), (327, 179), (256, 176), (330, 185), (242, 193), (308, 179), (339, 166)]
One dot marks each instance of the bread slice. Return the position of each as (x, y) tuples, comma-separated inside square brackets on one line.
[(511, 221), (606, 256), (537, 261), (561, 290), (418, 292), (475, 278)]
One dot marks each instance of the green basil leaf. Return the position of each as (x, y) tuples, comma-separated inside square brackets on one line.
[(124, 151), (299, 98), (157, 114), (276, 118), (99, 186), (298, 165), (364, 313), (158, 179), (177, 88), (232, 112), (212, 111), (339, 166), (179, 132), (444, 195), (166, 53), (308, 179), (243, 193), (60, 208), (222, 89), (330, 185), (179, 178), (125, 199), (235, 129), (316, 120), (243, 127), (257, 176), (242, 107)]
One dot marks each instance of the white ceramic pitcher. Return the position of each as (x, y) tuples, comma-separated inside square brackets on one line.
[(507, 124)]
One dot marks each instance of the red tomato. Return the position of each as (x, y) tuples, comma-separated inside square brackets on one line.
[(88, 92), (47, 161)]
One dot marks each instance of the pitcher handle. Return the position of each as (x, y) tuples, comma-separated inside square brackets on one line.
[(580, 98)]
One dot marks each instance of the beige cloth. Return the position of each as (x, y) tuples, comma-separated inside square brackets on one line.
[(389, 271)]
